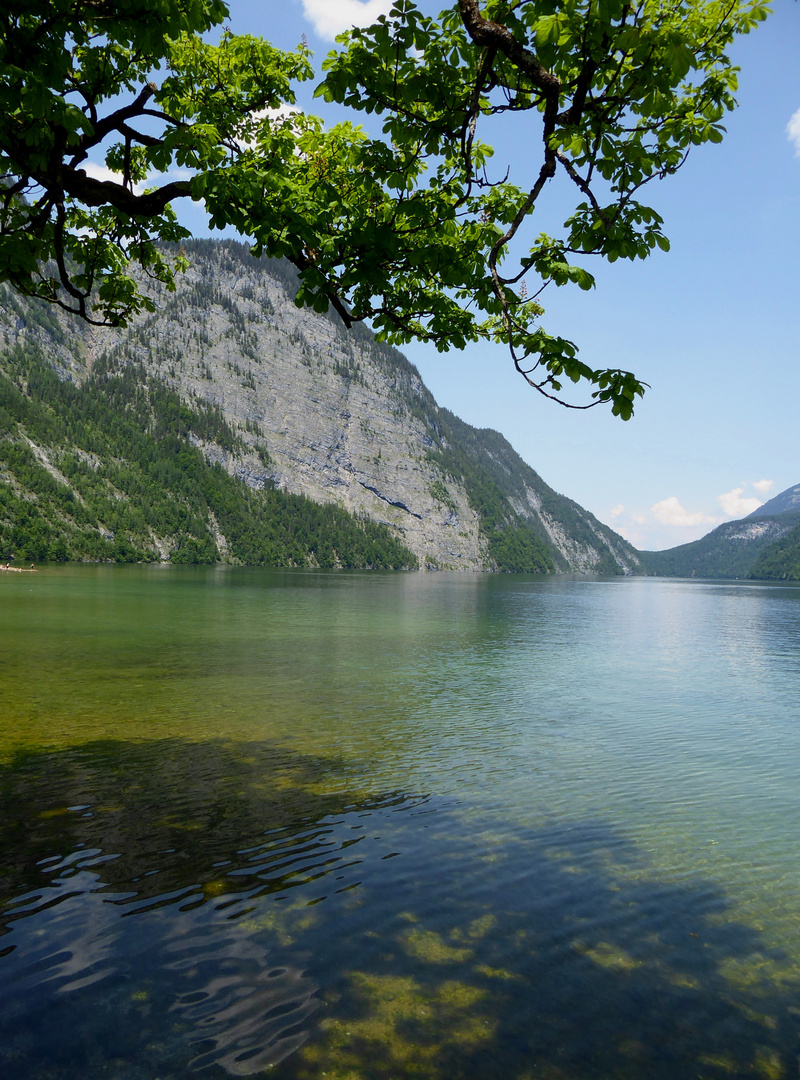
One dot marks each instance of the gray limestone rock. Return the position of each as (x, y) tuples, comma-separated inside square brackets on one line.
[(334, 415)]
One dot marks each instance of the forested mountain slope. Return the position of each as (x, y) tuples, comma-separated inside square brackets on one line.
[(232, 425), (765, 544), (781, 560), (109, 470)]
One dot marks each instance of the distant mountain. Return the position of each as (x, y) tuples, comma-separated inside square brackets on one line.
[(788, 502), (781, 560), (232, 426), (730, 551), (764, 545)]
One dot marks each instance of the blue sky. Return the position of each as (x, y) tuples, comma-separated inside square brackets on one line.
[(713, 326)]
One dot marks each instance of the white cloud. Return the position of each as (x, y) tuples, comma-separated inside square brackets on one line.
[(663, 525), (668, 522), (331, 17), (670, 512), (735, 506), (282, 112), (793, 131), (100, 172)]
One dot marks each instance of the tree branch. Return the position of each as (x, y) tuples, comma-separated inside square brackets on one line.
[(494, 36), (575, 176), (79, 185), (111, 122)]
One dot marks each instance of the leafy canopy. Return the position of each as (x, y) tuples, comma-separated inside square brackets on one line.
[(417, 230)]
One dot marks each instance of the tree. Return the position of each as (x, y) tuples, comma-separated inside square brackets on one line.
[(412, 231), (134, 81)]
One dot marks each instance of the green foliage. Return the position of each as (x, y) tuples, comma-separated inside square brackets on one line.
[(517, 551), (74, 77), (781, 560), (618, 95), (131, 480), (416, 231), (732, 550)]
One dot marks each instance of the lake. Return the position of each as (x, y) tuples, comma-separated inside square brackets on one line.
[(388, 826)]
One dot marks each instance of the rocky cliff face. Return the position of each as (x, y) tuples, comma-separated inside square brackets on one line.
[(334, 415), (321, 415)]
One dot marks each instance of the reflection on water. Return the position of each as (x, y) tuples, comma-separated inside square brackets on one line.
[(380, 826)]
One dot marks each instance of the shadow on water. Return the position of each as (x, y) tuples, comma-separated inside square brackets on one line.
[(565, 958), (171, 908), (175, 815), (207, 845)]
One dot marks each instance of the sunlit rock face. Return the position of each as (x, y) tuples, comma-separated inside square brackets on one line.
[(334, 415)]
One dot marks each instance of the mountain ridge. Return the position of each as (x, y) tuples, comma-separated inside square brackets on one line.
[(785, 502), (284, 401), (765, 545)]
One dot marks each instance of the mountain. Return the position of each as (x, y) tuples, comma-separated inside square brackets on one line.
[(781, 560), (788, 502), (232, 425), (765, 545)]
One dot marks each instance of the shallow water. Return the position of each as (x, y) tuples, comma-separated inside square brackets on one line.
[(397, 825)]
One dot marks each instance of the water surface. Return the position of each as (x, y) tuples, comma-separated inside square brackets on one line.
[(397, 825)]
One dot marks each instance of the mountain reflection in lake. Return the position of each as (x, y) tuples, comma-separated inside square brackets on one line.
[(491, 828)]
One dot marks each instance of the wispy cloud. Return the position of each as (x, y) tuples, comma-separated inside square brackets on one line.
[(734, 505), (793, 131), (664, 524), (102, 172), (670, 512), (331, 17), (668, 522)]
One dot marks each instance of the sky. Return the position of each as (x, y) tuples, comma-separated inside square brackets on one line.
[(713, 326)]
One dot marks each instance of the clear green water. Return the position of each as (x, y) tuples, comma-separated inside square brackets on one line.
[(378, 826)]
